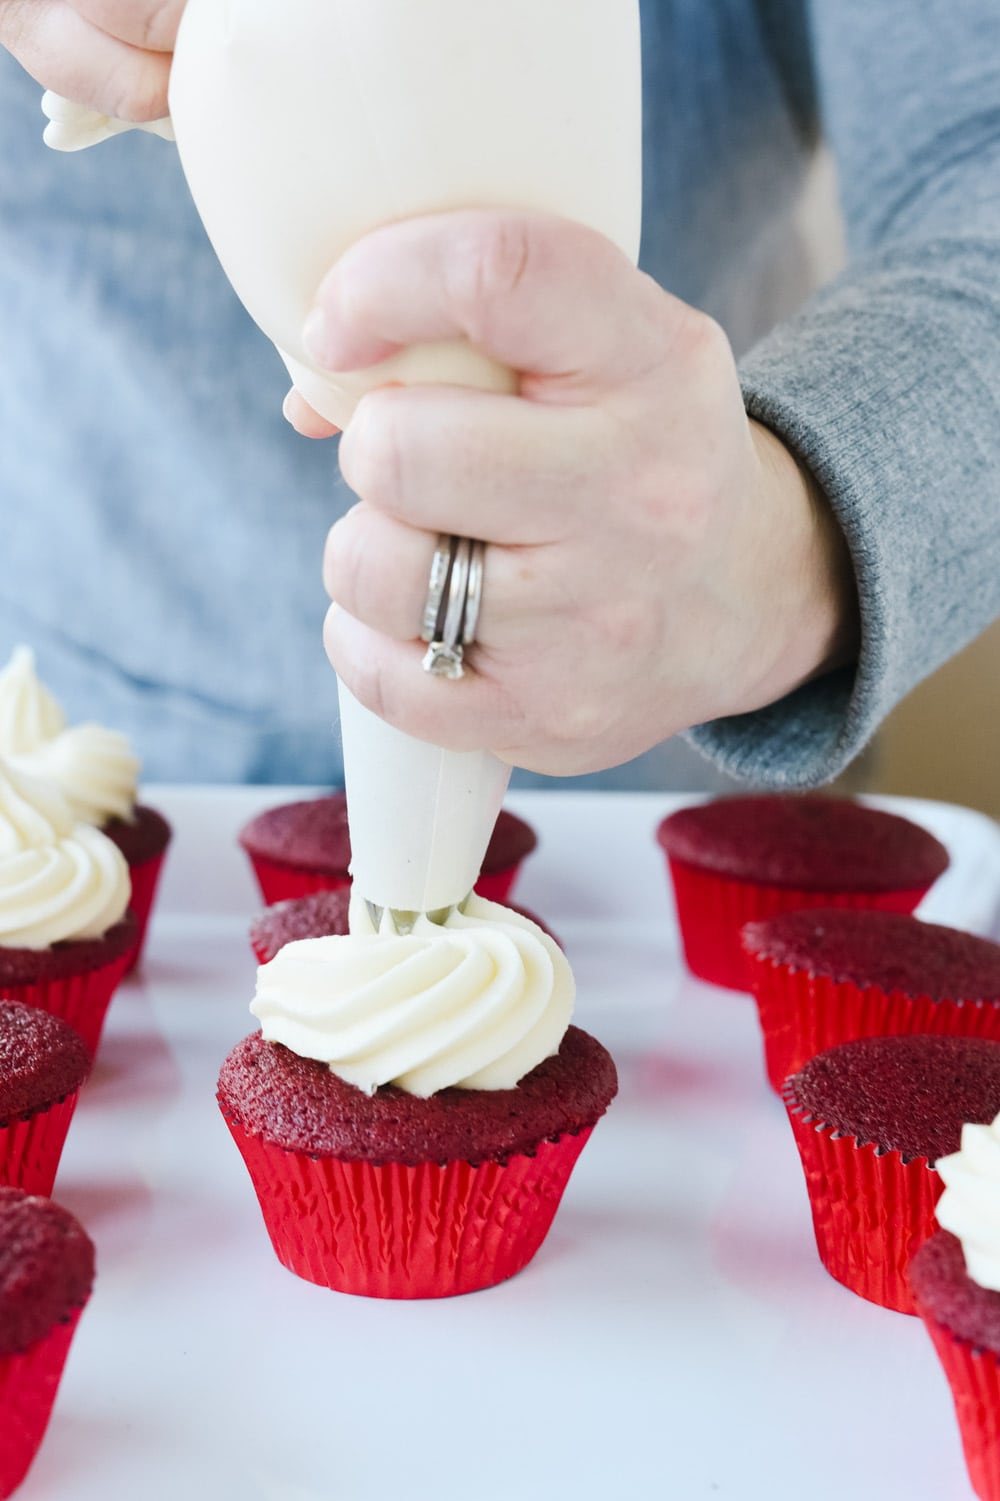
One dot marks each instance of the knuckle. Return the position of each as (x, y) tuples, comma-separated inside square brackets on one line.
[(489, 265), (371, 453)]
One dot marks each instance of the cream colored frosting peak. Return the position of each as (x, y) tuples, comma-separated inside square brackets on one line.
[(29, 715), (970, 1204), (478, 1001), (94, 768), (58, 879)]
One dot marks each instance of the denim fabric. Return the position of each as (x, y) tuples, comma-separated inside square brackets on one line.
[(162, 525)]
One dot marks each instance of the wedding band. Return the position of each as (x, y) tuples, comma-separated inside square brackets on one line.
[(451, 610)]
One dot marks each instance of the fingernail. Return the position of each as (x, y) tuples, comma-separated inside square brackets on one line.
[(286, 405), (316, 337)]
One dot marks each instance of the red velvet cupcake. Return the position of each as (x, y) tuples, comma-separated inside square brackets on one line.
[(394, 1196), (963, 1321), (315, 916), (43, 1063), (92, 768), (143, 839), (74, 979), (740, 859), (821, 977), (870, 1118), (46, 1276), (302, 847)]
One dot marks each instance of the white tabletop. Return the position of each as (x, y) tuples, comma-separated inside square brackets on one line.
[(675, 1337)]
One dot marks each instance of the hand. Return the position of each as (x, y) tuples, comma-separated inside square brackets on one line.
[(111, 55), (655, 560)]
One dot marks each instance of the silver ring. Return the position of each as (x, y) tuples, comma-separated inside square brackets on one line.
[(451, 611)]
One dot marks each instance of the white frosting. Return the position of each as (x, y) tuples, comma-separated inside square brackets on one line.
[(970, 1204), (58, 878), (94, 768), (477, 1002), (72, 126)]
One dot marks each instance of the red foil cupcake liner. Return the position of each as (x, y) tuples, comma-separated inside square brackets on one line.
[(278, 882), (389, 1231), (145, 879), (28, 1385), (802, 1014), (496, 885), (870, 1210), (30, 1147), (711, 910), (81, 1000), (974, 1378)]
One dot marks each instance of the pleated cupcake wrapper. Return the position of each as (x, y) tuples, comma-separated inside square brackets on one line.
[(278, 882), (145, 879), (28, 1386), (30, 1147), (389, 1231), (711, 910), (801, 1014), (974, 1378), (81, 1000), (871, 1211), (496, 885)]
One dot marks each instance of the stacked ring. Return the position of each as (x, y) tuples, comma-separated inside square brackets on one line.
[(451, 611)]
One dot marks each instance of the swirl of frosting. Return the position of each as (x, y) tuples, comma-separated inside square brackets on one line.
[(29, 715), (92, 767), (58, 879), (478, 1001), (970, 1204)]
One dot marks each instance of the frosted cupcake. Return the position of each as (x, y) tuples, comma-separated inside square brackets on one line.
[(46, 1276), (94, 768), (66, 935), (414, 1105), (955, 1277)]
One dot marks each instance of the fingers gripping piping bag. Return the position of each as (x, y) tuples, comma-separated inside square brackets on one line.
[(304, 125)]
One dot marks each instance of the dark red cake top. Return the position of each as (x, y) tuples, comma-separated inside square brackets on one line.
[(943, 1288), (140, 838), (317, 915), (46, 1268), (298, 1104), (885, 949), (76, 956), (809, 842), (313, 835), (42, 1059), (907, 1094)]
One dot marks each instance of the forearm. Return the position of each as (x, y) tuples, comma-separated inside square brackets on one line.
[(887, 388)]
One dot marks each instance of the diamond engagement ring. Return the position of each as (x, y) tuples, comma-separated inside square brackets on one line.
[(451, 612)]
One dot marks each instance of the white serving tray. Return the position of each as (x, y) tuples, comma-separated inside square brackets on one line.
[(676, 1336)]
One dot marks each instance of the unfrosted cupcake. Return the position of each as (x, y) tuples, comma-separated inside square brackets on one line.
[(46, 1277), (820, 977), (43, 1063), (739, 859), (321, 914), (66, 935), (414, 1106), (955, 1278), (94, 768), (301, 847), (871, 1118)]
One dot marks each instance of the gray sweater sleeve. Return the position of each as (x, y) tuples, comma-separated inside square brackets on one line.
[(887, 385)]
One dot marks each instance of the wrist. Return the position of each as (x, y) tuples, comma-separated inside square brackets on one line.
[(809, 595)]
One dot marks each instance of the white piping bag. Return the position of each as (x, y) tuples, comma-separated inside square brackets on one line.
[(305, 124)]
